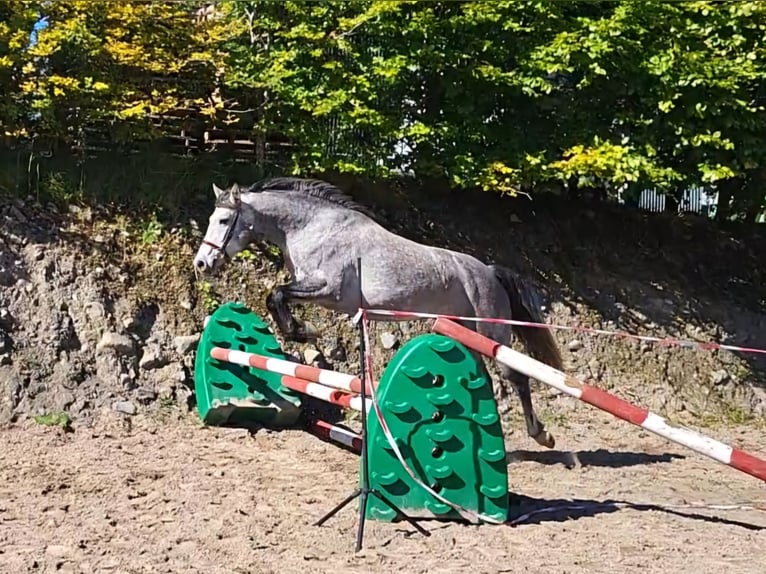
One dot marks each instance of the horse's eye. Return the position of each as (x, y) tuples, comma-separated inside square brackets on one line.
[(225, 221)]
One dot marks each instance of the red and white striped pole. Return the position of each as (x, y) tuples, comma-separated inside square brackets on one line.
[(328, 394), (326, 377), (616, 406), (335, 433)]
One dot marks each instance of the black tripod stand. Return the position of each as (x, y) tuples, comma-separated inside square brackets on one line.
[(364, 489)]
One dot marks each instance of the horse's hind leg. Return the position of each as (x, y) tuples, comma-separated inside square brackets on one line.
[(535, 428), (520, 382), (496, 304)]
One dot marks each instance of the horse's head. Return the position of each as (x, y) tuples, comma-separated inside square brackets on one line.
[(227, 232)]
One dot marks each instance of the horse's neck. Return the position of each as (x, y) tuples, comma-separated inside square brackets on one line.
[(274, 217)]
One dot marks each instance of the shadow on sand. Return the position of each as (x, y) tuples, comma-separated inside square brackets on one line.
[(599, 458), (527, 510)]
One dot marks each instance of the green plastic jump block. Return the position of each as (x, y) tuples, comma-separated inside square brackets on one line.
[(437, 400), (234, 394)]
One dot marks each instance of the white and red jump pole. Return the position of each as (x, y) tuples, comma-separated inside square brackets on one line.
[(616, 406), (325, 377), (331, 386)]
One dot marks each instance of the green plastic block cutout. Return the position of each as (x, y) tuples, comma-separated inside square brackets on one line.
[(438, 402), (234, 394)]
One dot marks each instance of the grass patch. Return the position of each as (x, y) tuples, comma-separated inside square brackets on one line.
[(61, 420)]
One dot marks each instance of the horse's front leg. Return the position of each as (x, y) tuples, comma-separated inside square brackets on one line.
[(277, 300)]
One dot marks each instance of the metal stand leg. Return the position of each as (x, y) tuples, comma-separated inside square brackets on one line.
[(364, 490)]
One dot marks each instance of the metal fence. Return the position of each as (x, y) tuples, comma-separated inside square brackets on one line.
[(693, 200)]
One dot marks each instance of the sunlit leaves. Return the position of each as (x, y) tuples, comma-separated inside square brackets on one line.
[(491, 94), (112, 60)]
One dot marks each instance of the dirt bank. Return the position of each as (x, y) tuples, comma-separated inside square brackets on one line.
[(101, 310)]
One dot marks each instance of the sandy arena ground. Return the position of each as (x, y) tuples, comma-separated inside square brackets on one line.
[(154, 497)]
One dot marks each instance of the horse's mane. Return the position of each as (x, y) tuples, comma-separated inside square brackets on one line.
[(311, 187)]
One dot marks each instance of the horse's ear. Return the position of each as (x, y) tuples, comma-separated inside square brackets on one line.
[(217, 191), (235, 192)]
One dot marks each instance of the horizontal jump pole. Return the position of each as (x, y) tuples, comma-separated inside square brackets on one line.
[(326, 377), (334, 433), (616, 406), (328, 394)]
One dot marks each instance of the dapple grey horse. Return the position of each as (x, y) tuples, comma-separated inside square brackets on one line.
[(322, 233)]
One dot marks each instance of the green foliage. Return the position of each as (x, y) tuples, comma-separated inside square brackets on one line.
[(210, 300), (501, 95), (55, 419), (151, 231), (110, 63), (504, 95)]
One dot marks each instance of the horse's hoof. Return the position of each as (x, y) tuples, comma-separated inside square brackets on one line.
[(305, 333), (310, 332), (544, 438)]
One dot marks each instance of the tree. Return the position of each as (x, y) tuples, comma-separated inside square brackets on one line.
[(503, 95), (115, 64), (17, 20)]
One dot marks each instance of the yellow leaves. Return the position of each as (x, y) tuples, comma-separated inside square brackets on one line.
[(28, 87), (123, 52), (21, 132), (599, 159), (500, 178), (136, 110), (418, 132), (64, 82)]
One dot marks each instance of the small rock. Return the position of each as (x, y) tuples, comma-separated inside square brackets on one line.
[(125, 380), (293, 358), (575, 345), (95, 310), (122, 344), (183, 396), (186, 343), (152, 360), (336, 351), (172, 373), (3, 344), (388, 340), (58, 550), (145, 396), (719, 377), (186, 304), (125, 407), (311, 355), (5, 360)]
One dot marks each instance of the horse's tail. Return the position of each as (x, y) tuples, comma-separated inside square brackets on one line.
[(525, 306)]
